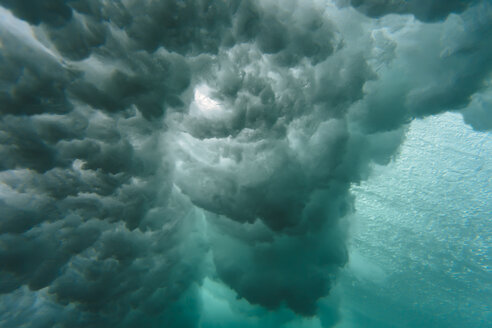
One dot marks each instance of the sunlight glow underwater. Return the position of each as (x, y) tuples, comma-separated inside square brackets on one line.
[(245, 163)]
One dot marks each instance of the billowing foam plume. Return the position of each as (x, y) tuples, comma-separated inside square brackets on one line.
[(148, 145)]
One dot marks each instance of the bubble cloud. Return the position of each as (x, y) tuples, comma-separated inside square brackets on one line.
[(150, 150)]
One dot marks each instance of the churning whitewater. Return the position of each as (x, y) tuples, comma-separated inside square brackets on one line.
[(245, 163)]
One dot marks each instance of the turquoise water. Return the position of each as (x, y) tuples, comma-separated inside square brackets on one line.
[(421, 237)]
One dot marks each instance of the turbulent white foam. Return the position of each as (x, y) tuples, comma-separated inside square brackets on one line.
[(149, 146)]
